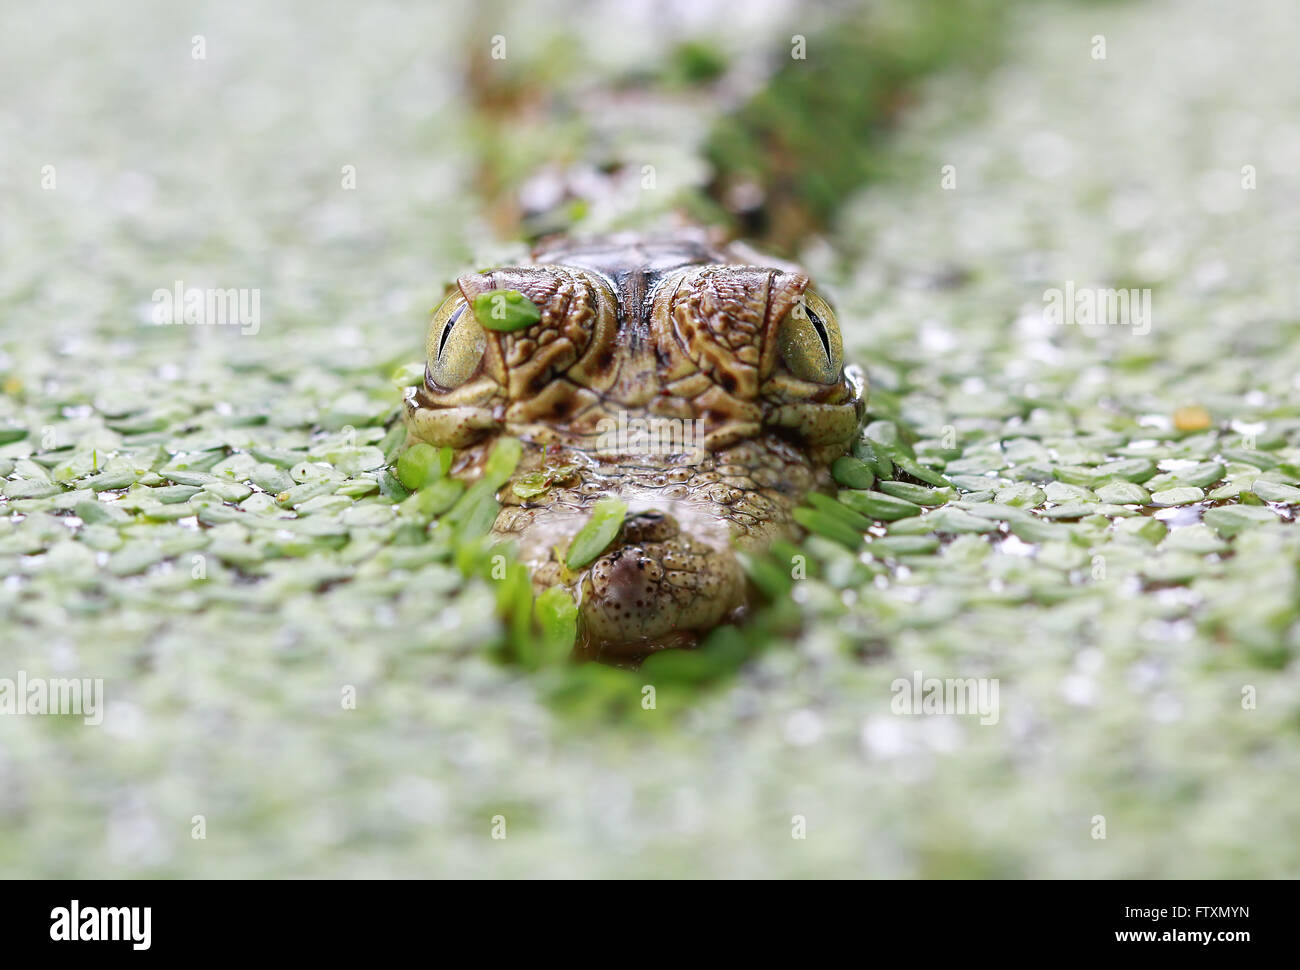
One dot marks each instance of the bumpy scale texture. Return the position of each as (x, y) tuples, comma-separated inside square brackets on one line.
[(654, 374)]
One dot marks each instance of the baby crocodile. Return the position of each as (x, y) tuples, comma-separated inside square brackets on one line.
[(703, 385)]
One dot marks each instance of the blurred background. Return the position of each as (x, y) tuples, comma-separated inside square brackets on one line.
[(937, 165)]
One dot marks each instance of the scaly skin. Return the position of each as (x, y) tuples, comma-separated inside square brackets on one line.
[(647, 328)]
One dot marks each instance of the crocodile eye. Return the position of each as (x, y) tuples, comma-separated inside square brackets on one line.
[(456, 344), (809, 340)]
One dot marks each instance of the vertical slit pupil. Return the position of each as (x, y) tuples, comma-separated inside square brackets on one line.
[(821, 330), (446, 331)]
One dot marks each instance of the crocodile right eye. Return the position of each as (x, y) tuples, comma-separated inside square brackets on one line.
[(456, 344)]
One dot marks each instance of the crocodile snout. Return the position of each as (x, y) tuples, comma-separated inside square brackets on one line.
[(657, 587)]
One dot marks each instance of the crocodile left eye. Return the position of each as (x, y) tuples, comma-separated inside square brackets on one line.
[(809, 341), (456, 344)]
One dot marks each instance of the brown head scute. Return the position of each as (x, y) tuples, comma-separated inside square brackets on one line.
[(704, 386)]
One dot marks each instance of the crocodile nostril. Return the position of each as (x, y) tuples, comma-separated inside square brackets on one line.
[(644, 595), (650, 526)]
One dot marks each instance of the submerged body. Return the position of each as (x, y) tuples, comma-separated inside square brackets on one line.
[(703, 386)]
